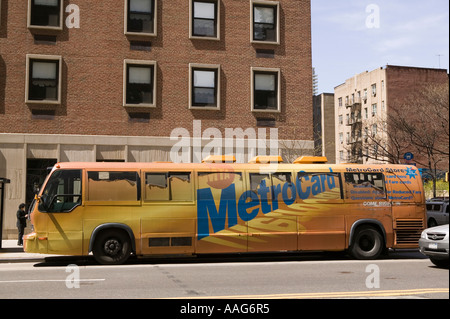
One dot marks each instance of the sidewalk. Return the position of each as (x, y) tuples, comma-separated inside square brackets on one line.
[(11, 253)]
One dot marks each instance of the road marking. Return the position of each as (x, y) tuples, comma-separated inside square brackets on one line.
[(348, 294), (48, 280)]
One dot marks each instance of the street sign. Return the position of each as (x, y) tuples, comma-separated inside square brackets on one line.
[(408, 156)]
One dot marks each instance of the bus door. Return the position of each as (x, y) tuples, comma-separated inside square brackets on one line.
[(366, 196), (321, 211), (60, 204), (219, 228), (271, 226)]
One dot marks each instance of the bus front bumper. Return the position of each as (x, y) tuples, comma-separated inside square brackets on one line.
[(32, 243)]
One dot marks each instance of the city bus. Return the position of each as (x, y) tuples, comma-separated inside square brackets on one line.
[(114, 210)]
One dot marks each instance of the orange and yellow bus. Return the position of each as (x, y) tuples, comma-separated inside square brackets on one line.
[(115, 210)]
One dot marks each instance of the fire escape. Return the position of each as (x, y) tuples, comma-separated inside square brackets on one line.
[(354, 141)]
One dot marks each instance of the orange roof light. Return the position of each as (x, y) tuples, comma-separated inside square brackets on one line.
[(266, 159), (219, 159), (311, 160)]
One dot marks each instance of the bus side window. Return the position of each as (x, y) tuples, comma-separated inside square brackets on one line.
[(113, 186), (156, 186), (175, 186), (259, 180), (365, 186), (180, 186), (318, 185)]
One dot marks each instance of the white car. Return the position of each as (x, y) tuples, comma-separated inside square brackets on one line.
[(434, 244)]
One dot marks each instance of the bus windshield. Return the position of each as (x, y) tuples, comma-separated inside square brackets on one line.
[(62, 192)]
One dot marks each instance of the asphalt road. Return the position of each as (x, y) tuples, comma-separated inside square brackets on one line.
[(322, 276)]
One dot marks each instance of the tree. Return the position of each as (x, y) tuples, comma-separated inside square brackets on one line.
[(423, 121)]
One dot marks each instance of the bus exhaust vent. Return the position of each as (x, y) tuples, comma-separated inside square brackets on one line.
[(311, 160), (408, 231)]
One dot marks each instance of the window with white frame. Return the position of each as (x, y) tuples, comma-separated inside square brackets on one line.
[(265, 23), (374, 109), (140, 17), (205, 19), (45, 14), (204, 82), (266, 90), (43, 79), (374, 90), (139, 83)]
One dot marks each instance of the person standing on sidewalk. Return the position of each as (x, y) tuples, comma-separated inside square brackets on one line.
[(21, 223)]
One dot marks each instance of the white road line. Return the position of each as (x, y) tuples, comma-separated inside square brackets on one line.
[(48, 280)]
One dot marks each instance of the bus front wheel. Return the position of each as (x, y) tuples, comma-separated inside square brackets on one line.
[(112, 247), (367, 243)]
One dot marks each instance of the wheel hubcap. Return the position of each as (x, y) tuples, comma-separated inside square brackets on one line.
[(112, 247)]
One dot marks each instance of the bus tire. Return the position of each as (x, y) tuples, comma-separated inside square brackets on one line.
[(367, 243), (112, 247)]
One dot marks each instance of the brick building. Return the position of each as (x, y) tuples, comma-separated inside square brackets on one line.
[(90, 81), (363, 104)]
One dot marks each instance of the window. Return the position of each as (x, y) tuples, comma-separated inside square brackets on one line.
[(318, 185), (340, 102), (374, 130), (266, 90), (139, 83), (45, 14), (43, 79), (365, 186), (341, 119), (62, 193), (140, 17), (173, 186), (113, 186), (374, 90), (374, 109), (205, 19), (204, 86), (265, 21)]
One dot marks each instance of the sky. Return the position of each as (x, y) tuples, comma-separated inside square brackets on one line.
[(353, 36)]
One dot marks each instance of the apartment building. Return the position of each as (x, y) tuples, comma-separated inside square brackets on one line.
[(363, 104), (114, 80)]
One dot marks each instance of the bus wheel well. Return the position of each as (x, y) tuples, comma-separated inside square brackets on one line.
[(367, 239), (112, 227)]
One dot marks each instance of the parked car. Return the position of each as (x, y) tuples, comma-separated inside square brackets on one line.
[(437, 212), (434, 244)]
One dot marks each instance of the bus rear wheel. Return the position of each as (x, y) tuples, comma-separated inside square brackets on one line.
[(367, 243), (112, 247)]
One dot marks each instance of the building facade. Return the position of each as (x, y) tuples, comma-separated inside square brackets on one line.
[(90, 81), (324, 126), (363, 104)]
